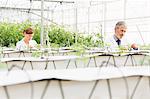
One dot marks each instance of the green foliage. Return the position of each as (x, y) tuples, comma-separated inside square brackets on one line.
[(59, 35), (86, 41), (1, 51), (55, 46), (99, 42), (145, 47), (36, 54), (7, 36), (37, 30), (124, 48), (11, 33), (79, 48)]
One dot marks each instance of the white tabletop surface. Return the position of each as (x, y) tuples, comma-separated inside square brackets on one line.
[(80, 74)]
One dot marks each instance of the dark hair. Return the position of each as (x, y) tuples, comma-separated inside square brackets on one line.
[(28, 31)]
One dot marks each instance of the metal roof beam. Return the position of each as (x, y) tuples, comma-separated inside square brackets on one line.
[(57, 1), (13, 8)]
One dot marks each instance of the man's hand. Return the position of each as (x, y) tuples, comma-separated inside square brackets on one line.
[(134, 46)]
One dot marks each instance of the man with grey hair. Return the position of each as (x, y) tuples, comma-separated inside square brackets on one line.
[(118, 39)]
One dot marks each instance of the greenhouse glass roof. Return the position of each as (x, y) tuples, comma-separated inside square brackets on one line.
[(84, 16)]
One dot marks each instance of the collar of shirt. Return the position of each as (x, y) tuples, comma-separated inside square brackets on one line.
[(115, 38)]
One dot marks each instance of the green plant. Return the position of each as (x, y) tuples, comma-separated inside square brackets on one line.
[(99, 41), (59, 35), (36, 54), (145, 47), (11, 33), (79, 48), (37, 30)]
